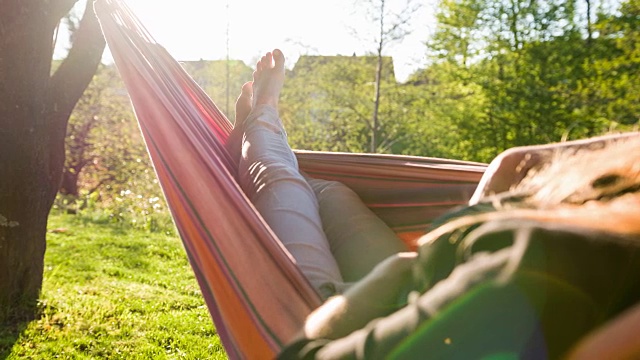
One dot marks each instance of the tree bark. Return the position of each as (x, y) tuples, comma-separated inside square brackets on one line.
[(34, 111), (69, 185), (376, 105), (376, 100)]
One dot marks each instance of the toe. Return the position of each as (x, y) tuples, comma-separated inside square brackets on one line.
[(269, 59), (247, 89), (278, 58), (243, 104)]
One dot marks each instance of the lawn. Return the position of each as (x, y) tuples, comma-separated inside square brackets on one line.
[(116, 293)]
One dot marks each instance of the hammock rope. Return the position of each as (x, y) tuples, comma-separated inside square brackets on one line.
[(256, 295)]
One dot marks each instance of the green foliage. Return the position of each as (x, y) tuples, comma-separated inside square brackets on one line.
[(609, 89), (502, 74), (102, 137), (108, 175), (128, 210), (456, 39), (452, 112), (327, 104), (221, 80), (115, 294), (515, 73)]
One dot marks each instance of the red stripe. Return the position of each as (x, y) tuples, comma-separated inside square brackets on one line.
[(262, 297)]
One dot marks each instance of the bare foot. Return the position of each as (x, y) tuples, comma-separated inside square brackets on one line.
[(268, 79), (243, 108), (244, 103)]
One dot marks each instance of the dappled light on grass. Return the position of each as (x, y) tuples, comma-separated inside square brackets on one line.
[(117, 295)]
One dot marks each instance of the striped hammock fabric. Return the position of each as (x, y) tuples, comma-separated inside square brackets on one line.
[(257, 297)]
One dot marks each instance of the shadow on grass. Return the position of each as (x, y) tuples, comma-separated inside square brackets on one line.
[(12, 325), (9, 334)]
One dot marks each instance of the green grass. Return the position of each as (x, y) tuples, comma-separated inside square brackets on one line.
[(115, 293)]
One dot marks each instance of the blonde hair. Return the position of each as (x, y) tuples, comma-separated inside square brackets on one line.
[(577, 176)]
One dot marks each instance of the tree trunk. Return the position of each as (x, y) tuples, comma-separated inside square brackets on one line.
[(69, 185), (34, 110), (376, 105), (589, 25), (375, 123)]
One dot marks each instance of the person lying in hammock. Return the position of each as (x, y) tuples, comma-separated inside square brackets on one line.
[(546, 252), (323, 224)]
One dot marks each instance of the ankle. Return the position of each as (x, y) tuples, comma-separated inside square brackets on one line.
[(267, 100)]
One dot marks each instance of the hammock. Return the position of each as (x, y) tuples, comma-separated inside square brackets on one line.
[(257, 297)]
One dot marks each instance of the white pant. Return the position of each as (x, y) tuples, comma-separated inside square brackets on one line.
[(296, 211)]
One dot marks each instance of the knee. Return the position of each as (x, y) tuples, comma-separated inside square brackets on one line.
[(325, 189), (264, 174)]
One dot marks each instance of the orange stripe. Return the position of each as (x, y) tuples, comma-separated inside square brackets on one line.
[(244, 332), (214, 216)]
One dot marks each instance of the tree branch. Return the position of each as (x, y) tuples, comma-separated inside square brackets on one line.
[(69, 82), (13, 12), (76, 71), (388, 142), (102, 181), (60, 8)]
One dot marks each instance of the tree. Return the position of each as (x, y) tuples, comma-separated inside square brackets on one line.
[(523, 55), (449, 112), (34, 110), (606, 96), (326, 103), (322, 104), (216, 77), (392, 25), (457, 39), (107, 171), (103, 145)]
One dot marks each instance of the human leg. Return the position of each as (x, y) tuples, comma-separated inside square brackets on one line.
[(358, 238), (269, 175), (243, 108)]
